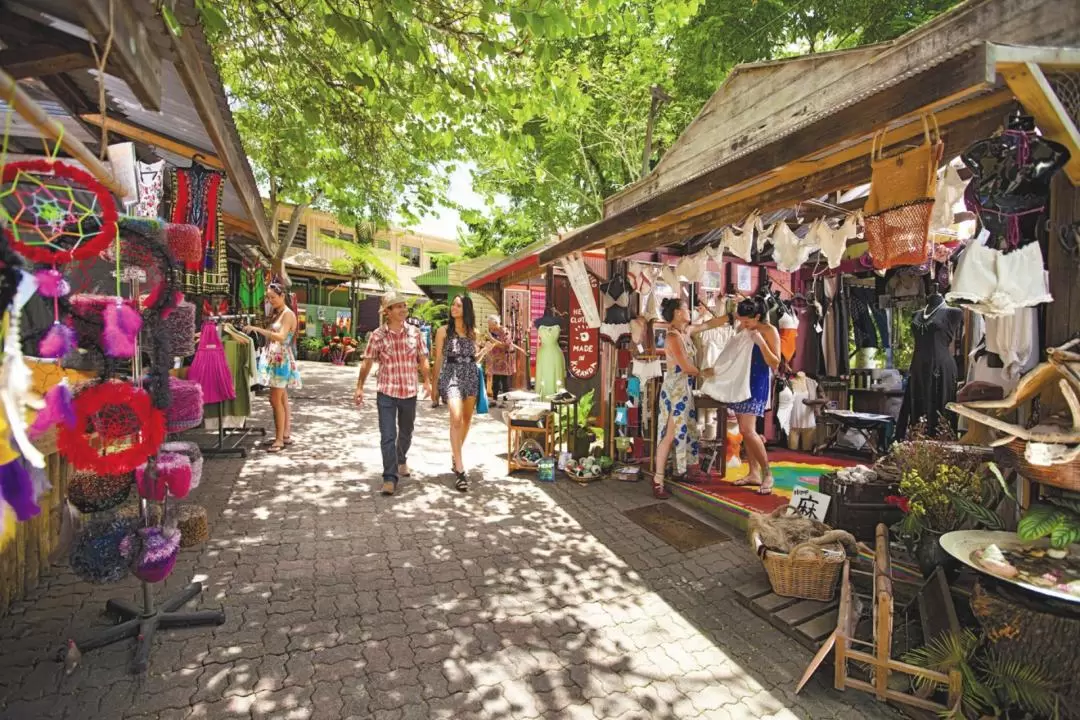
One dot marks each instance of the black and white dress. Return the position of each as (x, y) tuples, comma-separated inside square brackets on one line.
[(459, 377)]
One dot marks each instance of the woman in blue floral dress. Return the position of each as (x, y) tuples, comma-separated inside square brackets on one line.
[(677, 418)]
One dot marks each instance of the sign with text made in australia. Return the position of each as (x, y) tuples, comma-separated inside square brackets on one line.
[(584, 341)]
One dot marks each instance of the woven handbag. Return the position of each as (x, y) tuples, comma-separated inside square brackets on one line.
[(906, 176), (901, 235)]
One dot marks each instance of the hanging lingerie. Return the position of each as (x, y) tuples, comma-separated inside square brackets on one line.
[(950, 192), (578, 274), (741, 242), (1014, 339), (692, 267), (996, 283), (730, 382), (616, 323), (789, 335), (833, 243), (671, 279), (789, 251), (785, 404), (646, 370)]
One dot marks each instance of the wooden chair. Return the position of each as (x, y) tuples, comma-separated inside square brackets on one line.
[(879, 654)]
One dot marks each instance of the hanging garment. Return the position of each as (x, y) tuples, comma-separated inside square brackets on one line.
[(646, 370), (197, 194), (677, 414), (789, 335), (550, 364), (236, 411), (996, 283), (760, 386), (635, 274), (932, 376), (210, 369), (578, 275), (868, 321), (1015, 339), (741, 242), (789, 251), (692, 267), (713, 341), (671, 279), (833, 243), (785, 404), (151, 181), (616, 323), (950, 192), (802, 415), (650, 275), (730, 382)]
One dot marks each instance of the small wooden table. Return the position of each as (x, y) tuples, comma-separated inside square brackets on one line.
[(516, 434)]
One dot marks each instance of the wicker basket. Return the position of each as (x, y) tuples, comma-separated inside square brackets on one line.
[(1065, 476), (806, 572), (900, 235)]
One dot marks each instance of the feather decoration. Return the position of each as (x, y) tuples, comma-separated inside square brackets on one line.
[(17, 487), (122, 325), (51, 283), (58, 342), (59, 410)]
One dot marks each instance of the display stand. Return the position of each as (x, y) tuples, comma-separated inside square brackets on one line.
[(219, 449), (516, 434)]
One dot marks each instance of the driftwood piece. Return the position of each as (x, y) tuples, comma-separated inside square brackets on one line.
[(1032, 633)]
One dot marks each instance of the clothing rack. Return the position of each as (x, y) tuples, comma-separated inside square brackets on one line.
[(219, 448)]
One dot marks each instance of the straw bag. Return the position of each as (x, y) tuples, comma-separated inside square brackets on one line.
[(901, 201)]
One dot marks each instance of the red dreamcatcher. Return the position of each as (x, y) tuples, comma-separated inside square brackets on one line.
[(116, 429)]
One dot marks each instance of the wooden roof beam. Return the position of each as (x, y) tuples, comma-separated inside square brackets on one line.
[(956, 135), (139, 65), (42, 59), (960, 77), (149, 137)]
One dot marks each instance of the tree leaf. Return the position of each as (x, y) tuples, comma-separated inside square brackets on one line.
[(980, 514), (1039, 521)]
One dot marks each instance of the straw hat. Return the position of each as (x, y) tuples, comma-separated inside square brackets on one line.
[(393, 298)]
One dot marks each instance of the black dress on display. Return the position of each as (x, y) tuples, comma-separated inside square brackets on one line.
[(932, 378)]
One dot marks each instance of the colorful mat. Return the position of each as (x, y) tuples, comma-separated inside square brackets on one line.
[(789, 469)]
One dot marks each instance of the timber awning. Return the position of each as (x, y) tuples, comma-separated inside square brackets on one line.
[(777, 133), (163, 91), (523, 264)]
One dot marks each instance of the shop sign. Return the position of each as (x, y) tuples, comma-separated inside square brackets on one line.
[(584, 342), (809, 504)]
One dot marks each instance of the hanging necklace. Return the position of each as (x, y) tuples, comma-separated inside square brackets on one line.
[(926, 315)]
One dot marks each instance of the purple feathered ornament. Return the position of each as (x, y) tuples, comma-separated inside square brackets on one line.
[(58, 342), (58, 410), (17, 487), (51, 283), (122, 325)]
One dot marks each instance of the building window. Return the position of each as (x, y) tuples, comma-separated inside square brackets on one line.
[(382, 244), (433, 262), (347, 237), (410, 256), (300, 241)]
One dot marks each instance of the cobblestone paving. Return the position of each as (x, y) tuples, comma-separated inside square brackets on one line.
[(517, 600)]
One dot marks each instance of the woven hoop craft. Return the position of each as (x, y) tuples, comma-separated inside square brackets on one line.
[(191, 451), (194, 528), (90, 492), (116, 429), (95, 554), (186, 410), (151, 552), (30, 221)]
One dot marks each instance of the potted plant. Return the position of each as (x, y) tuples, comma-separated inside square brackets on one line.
[(942, 488), (582, 433), (1057, 517), (309, 348)]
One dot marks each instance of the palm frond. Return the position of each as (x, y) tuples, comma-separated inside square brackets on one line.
[(363, 260), (1018, 684)]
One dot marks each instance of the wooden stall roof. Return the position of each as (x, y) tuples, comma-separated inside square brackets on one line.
[(163, 92), (780, 132)]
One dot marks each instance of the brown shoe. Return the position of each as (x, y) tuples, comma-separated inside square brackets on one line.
[(403, 471), (388, 488)]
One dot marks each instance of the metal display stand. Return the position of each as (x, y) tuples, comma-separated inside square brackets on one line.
[(219, 449)]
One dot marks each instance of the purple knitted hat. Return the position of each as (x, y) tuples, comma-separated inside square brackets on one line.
[(151, 552)]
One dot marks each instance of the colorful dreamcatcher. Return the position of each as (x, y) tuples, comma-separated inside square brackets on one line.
[(116, 429), (55, 213)]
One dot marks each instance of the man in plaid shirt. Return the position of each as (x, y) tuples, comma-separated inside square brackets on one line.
[(400, 351)]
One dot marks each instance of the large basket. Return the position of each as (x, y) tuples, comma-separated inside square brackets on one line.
[(1065, 476), (806, 572), (901, 235)]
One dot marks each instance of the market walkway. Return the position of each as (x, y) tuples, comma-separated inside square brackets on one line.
[(515, 601)]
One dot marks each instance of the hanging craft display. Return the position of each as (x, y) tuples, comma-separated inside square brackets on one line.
[(90, 492), (196, 200), (191, 451), (54, 212), (117, 428), (95, 554), (170, 474)]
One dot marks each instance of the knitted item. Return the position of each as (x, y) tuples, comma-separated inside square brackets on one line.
[(171, 473), (90, 492), (179, 330), (191, 451), (194, 528), (152, 552), (186, 410), (186, 244), (95, 554)]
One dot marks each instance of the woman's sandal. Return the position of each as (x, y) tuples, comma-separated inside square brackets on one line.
[(767, 486), (275, 448), (287, 442), (462, 484), (751, 480)]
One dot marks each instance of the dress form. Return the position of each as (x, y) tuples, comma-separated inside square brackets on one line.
[(933, 374), (1010, 190)]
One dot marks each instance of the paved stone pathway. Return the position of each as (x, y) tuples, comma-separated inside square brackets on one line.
[(518, 600)]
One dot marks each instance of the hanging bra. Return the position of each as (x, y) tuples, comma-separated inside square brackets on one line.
[(616, 323), (670, 278), (692, 267), (833, 243)]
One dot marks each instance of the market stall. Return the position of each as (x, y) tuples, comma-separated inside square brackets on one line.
[(121, 169)]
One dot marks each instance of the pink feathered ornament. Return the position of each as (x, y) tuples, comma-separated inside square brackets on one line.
[(51, 283), (122, 325), (58, 410), (58, 342)]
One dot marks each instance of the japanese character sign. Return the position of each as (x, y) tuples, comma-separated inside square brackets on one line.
[(808, 503)]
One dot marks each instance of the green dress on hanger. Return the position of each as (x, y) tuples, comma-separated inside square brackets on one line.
[(550, 365)]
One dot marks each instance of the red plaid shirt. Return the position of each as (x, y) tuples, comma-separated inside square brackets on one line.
[(398, 355)]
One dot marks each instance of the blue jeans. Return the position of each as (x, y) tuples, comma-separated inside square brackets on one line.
[(396, 419)]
